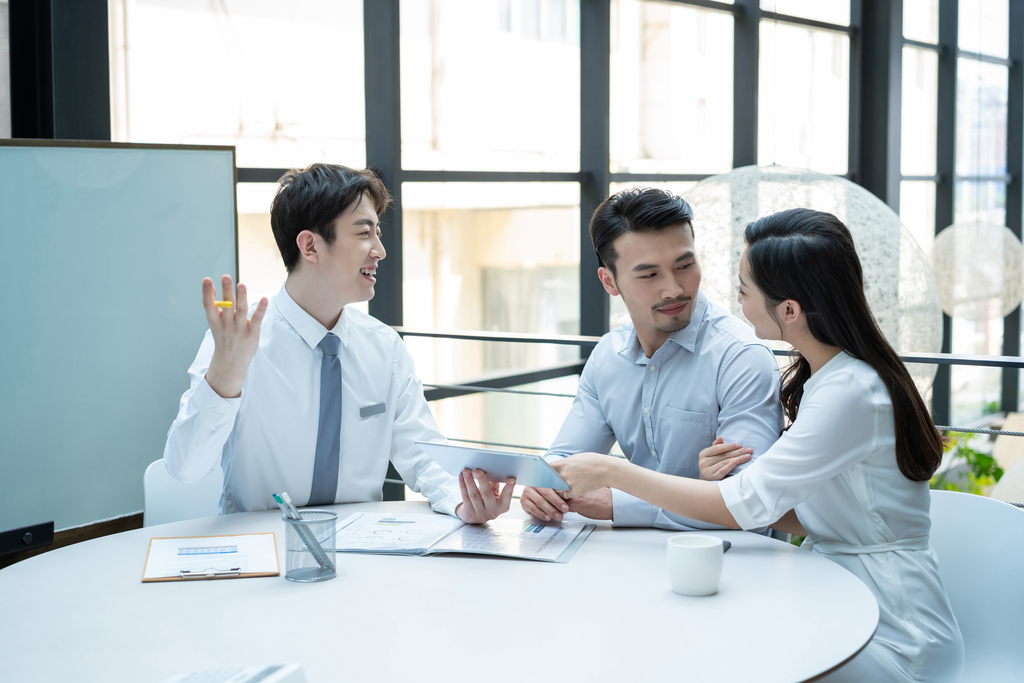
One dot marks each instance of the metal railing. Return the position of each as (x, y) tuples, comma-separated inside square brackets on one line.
[(500, 382)]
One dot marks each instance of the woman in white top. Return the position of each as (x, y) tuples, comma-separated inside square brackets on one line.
[(851, 472)]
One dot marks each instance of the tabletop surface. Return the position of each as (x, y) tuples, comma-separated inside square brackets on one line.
[(81, 613)]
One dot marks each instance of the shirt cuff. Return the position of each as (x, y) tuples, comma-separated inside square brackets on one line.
[(213, 405), (629, 510), (729, 488), (449, 502)]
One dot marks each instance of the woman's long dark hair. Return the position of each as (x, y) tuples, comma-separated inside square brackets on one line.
[(808, 256)]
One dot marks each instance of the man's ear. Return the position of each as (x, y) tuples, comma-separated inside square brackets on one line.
[(608, 280), (306, 242)]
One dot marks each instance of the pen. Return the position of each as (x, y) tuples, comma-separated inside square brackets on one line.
[(284, 501), (290, 504), (220, 304)]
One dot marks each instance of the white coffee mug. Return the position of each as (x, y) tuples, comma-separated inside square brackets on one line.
[(695, 563)]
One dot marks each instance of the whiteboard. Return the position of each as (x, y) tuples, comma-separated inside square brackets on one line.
[(104, 247)]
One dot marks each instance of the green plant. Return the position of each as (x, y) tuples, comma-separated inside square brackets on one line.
[(982, 470)]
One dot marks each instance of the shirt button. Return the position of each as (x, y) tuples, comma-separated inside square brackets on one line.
[(653, 368), (646, 410), (654, 453), (196, 444), (216, 410)]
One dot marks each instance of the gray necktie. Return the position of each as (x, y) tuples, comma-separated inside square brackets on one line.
[(328, 436)]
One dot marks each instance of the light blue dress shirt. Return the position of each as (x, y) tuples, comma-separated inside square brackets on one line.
[(712, 378)]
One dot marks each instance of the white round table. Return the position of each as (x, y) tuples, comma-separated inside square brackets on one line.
[(81, 613)]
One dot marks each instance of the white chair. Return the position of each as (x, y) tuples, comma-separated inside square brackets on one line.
[(980, 545), (1011, 487), (168, 500)]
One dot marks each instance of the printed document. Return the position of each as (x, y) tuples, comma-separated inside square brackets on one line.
[(429, 534)]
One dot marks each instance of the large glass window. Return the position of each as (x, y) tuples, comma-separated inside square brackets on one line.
[(980, 192), (981, 118), (917, 211), (804, 98), (983, 27), (919, 108), (921, 20), (500, 257), (281, 81), (918, 143), (831, 11), (515, 110), (671, 84), (491, 256)]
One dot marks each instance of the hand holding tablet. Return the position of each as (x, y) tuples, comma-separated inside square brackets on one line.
[(527, 469)]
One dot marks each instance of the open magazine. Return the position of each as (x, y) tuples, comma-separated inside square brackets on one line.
[(430, 534)]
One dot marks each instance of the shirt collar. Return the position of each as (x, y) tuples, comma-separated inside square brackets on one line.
[(685, 338), (311, 331), (834, 362)]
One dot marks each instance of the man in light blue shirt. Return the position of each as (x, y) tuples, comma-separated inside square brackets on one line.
[(684, 376)]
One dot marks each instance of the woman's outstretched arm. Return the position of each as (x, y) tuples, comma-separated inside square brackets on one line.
[(693, 498)]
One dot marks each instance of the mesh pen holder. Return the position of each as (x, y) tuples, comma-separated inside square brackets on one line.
[(302, 563)]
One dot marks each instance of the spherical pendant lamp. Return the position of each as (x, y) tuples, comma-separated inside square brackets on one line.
[(898, 279), (980, 270)]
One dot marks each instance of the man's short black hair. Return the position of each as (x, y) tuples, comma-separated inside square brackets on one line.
[(312, 198), (638, 209)]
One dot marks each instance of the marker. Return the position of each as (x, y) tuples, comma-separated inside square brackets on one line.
[(219, 304), (285, 509)]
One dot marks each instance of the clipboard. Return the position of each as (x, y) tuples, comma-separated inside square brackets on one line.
[(230, 556)]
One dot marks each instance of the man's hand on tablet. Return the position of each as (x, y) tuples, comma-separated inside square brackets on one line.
[(482, 500)]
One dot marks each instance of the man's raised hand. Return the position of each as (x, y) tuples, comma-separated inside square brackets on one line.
[(236, 337)]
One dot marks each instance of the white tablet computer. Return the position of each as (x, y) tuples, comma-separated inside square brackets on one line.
[(528, 469)]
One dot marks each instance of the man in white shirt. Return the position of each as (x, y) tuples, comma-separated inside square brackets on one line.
[(311, 396), (685, 375)]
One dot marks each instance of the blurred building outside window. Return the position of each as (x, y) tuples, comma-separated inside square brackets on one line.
[(671, 83), (516, 110), (804, 98)]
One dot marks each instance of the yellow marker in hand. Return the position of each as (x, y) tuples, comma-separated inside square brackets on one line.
[(220, 304)]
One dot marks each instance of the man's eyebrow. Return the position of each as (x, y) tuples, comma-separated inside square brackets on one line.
[(650, 266), (367, 221)]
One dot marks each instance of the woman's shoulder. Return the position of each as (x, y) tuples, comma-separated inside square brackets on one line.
[(851, 381)]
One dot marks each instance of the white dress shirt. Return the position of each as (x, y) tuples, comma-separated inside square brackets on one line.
[(712, 378), (265, 440), (836, 466)]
